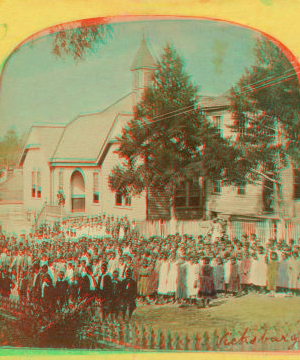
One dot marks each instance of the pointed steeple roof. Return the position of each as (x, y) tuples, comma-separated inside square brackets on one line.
[(144, 58)]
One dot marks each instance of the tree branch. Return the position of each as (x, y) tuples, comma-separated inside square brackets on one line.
[(265, 176)]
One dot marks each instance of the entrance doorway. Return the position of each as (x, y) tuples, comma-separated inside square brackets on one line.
[(78, 192)]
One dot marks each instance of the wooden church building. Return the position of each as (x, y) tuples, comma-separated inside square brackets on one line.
[(77, 159)]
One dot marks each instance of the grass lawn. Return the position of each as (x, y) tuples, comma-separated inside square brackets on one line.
[(245, 311)]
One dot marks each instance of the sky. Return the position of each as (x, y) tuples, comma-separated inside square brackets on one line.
[(37, 86)]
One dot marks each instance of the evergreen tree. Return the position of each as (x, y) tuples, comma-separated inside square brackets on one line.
[(266, 109), (10, 147), (170, 140)]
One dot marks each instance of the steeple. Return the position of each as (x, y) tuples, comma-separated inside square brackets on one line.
[(142, 68)]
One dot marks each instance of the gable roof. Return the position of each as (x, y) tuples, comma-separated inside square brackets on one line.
[(143, 58), (84, 138), (211, 102), (44, 136)]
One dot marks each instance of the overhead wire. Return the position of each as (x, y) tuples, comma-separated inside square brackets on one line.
[(261, 85)]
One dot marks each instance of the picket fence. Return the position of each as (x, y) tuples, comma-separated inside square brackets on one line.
[(112, 334)]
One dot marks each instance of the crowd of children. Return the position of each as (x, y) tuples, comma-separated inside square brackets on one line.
[(178, 269)]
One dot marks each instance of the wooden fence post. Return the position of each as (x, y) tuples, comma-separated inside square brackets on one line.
[(134, 335), (185, 342), (150, 338), (214, 340), (126, 334), (168, 341), (118, 333), (142, 337), (194, 341), (103, 331), (158, 339), (205, 344)]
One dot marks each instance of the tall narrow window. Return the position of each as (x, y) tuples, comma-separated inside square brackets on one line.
[(127, 200), (39, 184), (119, 198), (96, 187), (296, 184), (61, 179), (180, 195), (241, 189), (136, 79), (193, 194), (148, 75), (217, 186), (33, 183), (187, 195), (219, 124)]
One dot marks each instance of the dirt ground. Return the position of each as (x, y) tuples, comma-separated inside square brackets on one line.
[(244, 311)]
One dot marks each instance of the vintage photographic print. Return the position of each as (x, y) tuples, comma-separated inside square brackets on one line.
[(150, 188)]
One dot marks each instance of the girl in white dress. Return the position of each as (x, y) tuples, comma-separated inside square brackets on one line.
[(172, 276), (193, 273), (253, 275), (227, 263), (163, 276), (262, 269)]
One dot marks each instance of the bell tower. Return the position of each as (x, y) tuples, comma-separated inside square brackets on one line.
[(142, 69)]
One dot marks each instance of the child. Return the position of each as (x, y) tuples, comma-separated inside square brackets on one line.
[(172, 276), (143, 280), (245, 272), (181, 292), (262, 269), (234, 280), (219, 276), (207, 289), (253, 275), (283, 273), (227, 264), (193, 270), (272, 274), (162, 279)]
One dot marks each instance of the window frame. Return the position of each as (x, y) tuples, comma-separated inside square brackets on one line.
[(120, 195), (33, 183), (296, 177), (136, 79), (96, 197), (61, 179), (39, 183), (218, 122), (241, 189), (219, 185), (186, 189), (126, 200)]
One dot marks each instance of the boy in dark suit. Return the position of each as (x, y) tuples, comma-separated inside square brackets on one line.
[(128, 294), (61, 289), (104, 291)]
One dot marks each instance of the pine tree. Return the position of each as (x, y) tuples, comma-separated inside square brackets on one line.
[(266, 109), (170, 139)]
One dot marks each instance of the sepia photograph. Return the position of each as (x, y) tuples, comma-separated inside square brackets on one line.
[(150, 188)]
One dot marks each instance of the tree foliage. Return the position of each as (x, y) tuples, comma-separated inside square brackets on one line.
[(266, 108), (170, 138), (82, 40), (10, 147)]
